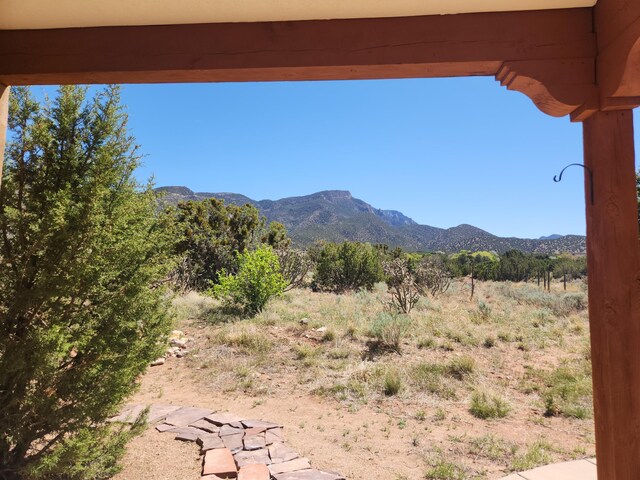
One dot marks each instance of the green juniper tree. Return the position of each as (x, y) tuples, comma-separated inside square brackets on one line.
[(212, 234), (81, 314), (347, 266)]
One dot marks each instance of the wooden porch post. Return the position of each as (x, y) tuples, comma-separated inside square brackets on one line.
[(4, 119), (614, 292)]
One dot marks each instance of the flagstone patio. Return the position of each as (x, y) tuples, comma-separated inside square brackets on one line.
[(232, 447)]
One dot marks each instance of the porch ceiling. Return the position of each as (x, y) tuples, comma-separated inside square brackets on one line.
[(43, 14)]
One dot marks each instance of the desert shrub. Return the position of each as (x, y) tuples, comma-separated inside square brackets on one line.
[(482, 314), (432, 274), (409, 280), (460, 367), (328, 336), (404, 290), (392, 382), (276, 236), (304, 351), (347, 266), (489, 342), (445, 470), (484, 406), (539, 453), (82, 309), (339, 353), (295, 265), (492, 447), (559, 304), (211, 235), (390, 329), (569, 303), (257, 281), (568, 392), (426, 342), (249, 341), (430, 377)]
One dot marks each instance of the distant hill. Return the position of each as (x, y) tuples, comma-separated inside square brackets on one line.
[(335, 215)]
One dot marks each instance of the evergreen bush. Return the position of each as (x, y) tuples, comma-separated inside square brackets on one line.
[(81, 310)]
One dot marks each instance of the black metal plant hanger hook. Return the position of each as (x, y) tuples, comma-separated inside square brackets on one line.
[(558, 178)]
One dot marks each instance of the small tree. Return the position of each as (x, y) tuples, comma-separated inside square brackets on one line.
[(81, 247), (295, 265), (211, 236), (432, 274), (409, 282), (277, 236), (257, 281), (405, 293), (348, 266)]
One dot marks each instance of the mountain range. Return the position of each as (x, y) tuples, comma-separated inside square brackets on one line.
[(335, 215)]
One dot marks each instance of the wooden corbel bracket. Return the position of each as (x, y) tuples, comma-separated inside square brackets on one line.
[(556, 87), (619, 73)]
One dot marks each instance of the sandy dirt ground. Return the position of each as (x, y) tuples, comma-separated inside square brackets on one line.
[(362, 444)]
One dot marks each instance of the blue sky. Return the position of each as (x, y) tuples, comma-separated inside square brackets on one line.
[(442, 151)]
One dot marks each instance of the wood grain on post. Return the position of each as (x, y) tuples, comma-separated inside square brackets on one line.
[(614, 292)]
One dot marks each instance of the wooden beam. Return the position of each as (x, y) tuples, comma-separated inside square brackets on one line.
[(614, 292), (427, 46), (617, 23), (4, 122)]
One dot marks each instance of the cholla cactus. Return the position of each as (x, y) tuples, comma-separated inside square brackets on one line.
[(407, 284)]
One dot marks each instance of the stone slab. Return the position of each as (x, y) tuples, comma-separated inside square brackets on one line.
[(254, 442), (158, 412), (274, 435), (219, 462), (233, 442), (187, 434), (254, 431), (280, 453), (165, 427), (254, 472), (290, 466), (229, 430), (186, 416), (576, 470), (309, 474), (206, 426), (223, 418), (249, 458), (129, 414), (259, 424), (209, 442)]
